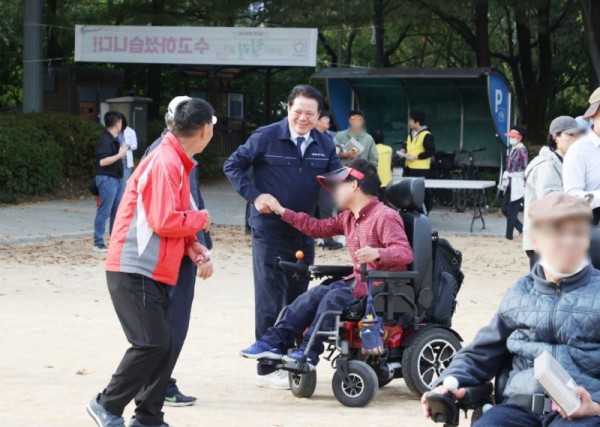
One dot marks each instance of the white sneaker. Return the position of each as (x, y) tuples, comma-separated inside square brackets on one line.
[(278, 380)]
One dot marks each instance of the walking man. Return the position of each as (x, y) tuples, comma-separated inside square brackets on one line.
[(182, 294), (286, 157), (155, 228), (108, 174), (356, 131)]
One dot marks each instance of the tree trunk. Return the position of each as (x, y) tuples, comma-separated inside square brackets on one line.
[(378, 27), (536, 85), (482, 36), (590, 14)]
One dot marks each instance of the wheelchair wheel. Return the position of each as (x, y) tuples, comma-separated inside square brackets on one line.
[(361, 388), (303, 385), (427, 357)]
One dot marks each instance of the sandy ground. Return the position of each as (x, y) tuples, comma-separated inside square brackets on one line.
[(61, 339)]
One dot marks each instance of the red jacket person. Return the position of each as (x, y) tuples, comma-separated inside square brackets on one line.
[(155, 228)]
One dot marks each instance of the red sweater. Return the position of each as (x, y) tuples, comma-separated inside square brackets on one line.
[(155, 222), (377, 226)]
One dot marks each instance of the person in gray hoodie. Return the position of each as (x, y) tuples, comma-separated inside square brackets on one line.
[(555, 308), (544, 173)]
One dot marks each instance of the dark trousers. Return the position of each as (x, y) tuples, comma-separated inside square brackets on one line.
[(180, 309), (515, 416), (336, 300), (142, 307), (421, 173), (511, 211), (273, 288), (299, 315)]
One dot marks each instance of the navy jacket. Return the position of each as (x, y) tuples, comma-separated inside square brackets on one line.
[(203, 236), (536, 315), (278, 170)]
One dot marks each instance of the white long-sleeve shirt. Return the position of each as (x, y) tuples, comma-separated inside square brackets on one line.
[(581, 167), (131, 140)]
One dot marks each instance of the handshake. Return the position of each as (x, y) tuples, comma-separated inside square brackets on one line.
[(265, 203)]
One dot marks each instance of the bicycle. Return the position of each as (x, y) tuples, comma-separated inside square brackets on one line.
[(463, 198)]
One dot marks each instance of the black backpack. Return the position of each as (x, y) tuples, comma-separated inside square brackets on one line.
[(447, 280)]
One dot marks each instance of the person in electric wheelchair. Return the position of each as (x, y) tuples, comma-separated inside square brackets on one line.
[(376, 237), (554, 308)]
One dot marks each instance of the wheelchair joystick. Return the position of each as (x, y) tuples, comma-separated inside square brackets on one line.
[(299, 255)]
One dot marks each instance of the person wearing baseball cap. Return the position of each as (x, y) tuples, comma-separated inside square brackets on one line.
[(581, 170), (544, 173), (513, 180), (182, 294), (376, 237), (554, 308)]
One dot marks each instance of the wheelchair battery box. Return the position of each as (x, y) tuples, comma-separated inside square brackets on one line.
[(556, 382)]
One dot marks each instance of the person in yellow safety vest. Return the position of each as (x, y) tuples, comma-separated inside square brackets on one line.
[(420, 148), (384, 166)]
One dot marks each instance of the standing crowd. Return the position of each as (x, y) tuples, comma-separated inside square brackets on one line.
[(302, 182)]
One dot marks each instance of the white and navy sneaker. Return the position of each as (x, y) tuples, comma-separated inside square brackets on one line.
[(261, 350), (278, 380)]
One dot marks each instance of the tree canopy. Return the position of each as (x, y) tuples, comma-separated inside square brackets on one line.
[(548, 49)]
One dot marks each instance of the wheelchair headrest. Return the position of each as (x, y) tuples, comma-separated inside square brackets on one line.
[(594, 250), (407, 194)]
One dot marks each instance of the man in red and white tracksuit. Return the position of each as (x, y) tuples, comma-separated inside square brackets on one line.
[(155, 228)]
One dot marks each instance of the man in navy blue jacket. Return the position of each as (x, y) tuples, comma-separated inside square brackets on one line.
[(286, 158)]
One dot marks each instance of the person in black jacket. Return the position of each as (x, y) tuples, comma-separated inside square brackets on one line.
[(286, 158), (108, 173)]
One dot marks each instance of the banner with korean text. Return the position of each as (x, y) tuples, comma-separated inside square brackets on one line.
[(294, 47)]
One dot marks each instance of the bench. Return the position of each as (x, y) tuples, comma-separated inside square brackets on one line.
[(455, 184)]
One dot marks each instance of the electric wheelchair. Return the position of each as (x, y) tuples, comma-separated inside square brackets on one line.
[(481, 397), (415, 306)]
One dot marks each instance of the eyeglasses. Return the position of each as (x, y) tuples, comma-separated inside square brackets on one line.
[(307, 114)]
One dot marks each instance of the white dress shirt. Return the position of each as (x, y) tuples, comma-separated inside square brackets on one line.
[(307, 139), (581, 167)]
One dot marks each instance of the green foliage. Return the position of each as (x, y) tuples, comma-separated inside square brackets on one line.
[(29, 162), (38, 151)]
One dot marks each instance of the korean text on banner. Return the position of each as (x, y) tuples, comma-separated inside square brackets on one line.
[(197, 45)]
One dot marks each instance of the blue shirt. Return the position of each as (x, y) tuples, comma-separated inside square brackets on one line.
[(277, 169)]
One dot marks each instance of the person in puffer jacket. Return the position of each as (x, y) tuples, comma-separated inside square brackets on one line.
[(555, 308), (544, 174)]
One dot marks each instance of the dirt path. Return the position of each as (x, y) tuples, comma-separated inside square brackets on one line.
[(61, 339)]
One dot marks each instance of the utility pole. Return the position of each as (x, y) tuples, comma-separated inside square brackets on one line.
[(339, 34), (32, 56), (378, 28)]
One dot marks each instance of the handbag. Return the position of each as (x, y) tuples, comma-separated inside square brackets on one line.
[(371, 327), (93, 187)]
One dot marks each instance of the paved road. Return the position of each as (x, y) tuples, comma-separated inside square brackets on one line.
[(68, 219)]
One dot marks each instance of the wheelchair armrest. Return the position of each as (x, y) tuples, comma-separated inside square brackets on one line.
[(477, 394), (391, 275), (331, 270), (298, 269)]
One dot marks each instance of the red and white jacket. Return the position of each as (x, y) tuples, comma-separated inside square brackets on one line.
[(156, 222)]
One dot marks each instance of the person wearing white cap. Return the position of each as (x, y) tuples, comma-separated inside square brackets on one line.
[(544, 173), (182, 294), (581, 170)]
